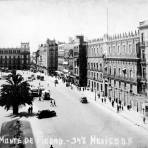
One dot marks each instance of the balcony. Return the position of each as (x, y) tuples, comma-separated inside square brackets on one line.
[(95, 69), (120, 78)]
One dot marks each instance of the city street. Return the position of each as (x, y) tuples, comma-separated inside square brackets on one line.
[(81, 125)]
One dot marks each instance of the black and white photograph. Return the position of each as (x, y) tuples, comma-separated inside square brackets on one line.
[(73, 74)]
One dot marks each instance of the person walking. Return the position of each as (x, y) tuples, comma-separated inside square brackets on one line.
[(54, 103), (31, 109), (51, 103), (144, 119)]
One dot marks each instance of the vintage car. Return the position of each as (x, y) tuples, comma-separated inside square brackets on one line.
[(83, 100), (46, 114)]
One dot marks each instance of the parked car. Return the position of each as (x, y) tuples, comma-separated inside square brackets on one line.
[(46, 114), (67, 84), (46, 95), (83, 100), (34, 92), (56, 81)]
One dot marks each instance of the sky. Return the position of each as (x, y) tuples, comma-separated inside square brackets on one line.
[(34, 21)]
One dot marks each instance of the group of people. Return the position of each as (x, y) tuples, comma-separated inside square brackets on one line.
[(52, 102), (30, 109)]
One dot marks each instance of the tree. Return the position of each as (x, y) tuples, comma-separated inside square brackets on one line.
[(15, 92)]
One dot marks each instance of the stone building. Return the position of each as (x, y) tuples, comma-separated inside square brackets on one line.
[(117, 66), (121, 67), (15, 58), (47, 55), (95, 65), (72, 60)]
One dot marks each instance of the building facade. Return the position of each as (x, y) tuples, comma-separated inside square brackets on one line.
[(15, 58), (47, 57), (117, 67), (95, 65), (72, 60)]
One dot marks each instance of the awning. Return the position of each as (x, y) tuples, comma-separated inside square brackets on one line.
[(65, 62), (59, 72), (65, 70)]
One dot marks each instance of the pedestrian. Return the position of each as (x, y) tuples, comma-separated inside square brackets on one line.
[(51, 146), (122, 107), (105, 99), (143, 110), (29, 110), (117, 108), (102, 100), (144, 119), (51, 103), (54, 103)]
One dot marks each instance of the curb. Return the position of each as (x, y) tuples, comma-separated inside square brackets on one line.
[(123, 116)]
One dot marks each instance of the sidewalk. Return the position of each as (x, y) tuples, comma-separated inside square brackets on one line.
[(132, 116)]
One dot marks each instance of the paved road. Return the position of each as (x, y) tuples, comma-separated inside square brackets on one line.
[(80, 125)]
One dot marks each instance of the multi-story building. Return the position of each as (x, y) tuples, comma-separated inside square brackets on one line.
[(117, 66), (15, 58), (72, 60), (95, 65), (47, 55), (121, 67), (143, 55)]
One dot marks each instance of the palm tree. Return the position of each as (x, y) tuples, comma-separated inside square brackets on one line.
[(15, 92)]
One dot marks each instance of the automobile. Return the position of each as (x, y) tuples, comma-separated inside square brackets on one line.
[(42, 78), (83, 100), (67, 84), (46, 114), (46, 95), (34, 92), (56, 81)]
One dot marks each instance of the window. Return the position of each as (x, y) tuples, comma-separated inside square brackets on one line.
[(123, 48), (124, 85), (110, 70), (142, 38), (114, 83), (119, 72), (130, 75), (118, 49), (144, 73), (143, 54), (109, 50), (114, 71), (119, 84), (100, 66), (131, 87), (130, 48), (97, 66)]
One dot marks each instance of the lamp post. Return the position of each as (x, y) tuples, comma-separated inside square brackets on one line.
[(95, 94)]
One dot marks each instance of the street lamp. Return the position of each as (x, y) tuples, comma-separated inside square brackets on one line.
[(95, 94)]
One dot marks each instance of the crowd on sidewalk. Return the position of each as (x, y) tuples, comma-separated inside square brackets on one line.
[(115, 105)]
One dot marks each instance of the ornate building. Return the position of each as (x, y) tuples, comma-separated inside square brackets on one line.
[(15, 58), (121, 66), (117, 66)]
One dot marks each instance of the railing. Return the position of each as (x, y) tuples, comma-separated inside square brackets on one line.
[(95, 69), (122, 78)]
